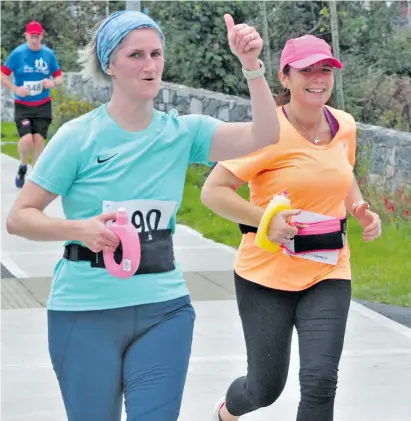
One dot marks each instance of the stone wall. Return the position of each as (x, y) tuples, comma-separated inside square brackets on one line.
[(387, 155), (388, 152)]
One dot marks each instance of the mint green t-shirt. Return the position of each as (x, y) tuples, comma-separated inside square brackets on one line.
[(90, 162)]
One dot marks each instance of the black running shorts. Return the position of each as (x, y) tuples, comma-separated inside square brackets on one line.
[(34, 120)]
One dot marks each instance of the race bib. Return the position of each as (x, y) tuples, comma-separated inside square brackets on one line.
[(328, 257), (34, 88), (146, 215)]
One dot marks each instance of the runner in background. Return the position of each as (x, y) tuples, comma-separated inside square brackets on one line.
[(32, 65)]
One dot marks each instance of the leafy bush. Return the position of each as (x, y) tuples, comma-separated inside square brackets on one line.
[(381, 99), (66, 108)]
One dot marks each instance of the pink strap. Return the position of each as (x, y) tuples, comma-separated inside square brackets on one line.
[(320, 227)]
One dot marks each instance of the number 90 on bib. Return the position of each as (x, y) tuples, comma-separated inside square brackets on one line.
[(145, 215)]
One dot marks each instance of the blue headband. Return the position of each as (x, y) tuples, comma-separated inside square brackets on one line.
[(116, 27)]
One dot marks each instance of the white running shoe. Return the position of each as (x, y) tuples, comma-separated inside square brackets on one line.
[(217, 408)]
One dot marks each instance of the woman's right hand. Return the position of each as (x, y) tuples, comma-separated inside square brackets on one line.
[(279, 229), (96, 236)]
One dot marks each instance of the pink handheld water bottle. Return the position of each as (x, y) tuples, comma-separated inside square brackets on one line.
[(130, 243)]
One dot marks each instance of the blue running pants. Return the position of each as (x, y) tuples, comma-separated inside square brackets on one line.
[(140, 353)]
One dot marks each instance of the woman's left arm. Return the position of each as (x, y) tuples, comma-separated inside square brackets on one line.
[(360, 210), (354, 198)]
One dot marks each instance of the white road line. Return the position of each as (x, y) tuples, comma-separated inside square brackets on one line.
[(382, 320), (13, 267)]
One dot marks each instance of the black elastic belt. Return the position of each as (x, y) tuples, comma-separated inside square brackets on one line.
[(157, 253), (313, 242)]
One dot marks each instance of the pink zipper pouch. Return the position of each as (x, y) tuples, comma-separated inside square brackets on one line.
[(318, 236)]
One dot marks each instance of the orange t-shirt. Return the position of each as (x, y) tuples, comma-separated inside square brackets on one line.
[(317, 178)]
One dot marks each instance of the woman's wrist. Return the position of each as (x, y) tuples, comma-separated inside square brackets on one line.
[(251, 65), (355, 206), (74, 230)]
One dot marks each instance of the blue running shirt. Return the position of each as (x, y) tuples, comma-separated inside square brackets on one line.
[(29, 69)]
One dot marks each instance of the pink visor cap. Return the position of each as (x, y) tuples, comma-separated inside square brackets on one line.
[(306, 51)]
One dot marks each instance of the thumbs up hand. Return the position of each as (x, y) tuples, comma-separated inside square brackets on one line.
[(245, 43)]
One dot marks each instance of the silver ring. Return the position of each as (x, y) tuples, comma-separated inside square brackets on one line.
[(106, 248), (251, 36), (289, 237)]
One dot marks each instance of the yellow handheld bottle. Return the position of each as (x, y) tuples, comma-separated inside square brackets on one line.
[(278, 203)]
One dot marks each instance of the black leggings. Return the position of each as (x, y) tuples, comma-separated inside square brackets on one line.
[(268, 316)]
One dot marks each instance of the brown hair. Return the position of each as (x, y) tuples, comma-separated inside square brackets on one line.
[(284, 97)]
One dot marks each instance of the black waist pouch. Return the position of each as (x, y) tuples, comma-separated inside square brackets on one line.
[(318, 242), (157, 253), (312, 242)]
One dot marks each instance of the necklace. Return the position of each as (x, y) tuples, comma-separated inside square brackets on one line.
[(317, 137)]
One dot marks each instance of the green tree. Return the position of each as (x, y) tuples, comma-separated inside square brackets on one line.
[(375, 50), (197, 52), (66, 24), (52, 15)]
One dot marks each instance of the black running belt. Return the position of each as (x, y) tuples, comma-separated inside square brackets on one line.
[(157, 253), (312, 242)]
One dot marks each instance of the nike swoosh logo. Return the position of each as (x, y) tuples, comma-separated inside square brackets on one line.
[(100, 161)]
